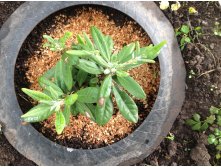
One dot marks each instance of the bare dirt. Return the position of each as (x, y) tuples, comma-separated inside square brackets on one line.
[(188, 147)]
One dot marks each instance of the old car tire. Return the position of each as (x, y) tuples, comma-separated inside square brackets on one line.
[(132, 149)]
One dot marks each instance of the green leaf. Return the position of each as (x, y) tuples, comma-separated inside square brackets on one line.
[(36, 95), (185, 29), (80, 40), (196, 117), (126, 105), (218, 156), (132, 86), (210, 119), (38, 113), (73, 109), (48, 85), (67, 113), (79, 53), (197, 126), (88, 95), (219, 120), (70, 59), (218, 147), (70, 99), (86, 109), (89, 67), (88, 42), (81, 77), (52, 93), (110, 45), (59, 122), (204, 126), (65, 37), (101, 43), (99, 60), (50, 73), (211, 139), (105, 88), (63, 76), (49, 38), (94, 81), (122, 73), (104, 113), (126, 53), (214, 110), (151, 52), (190, 122), (137, 49), (216, 132), (187, 39)]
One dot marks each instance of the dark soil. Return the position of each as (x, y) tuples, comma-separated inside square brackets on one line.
[(188, 147)]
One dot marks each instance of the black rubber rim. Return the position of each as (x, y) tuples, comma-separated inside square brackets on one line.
[(132, 149)]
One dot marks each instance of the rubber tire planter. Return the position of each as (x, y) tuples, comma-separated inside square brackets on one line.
[(132, 149)]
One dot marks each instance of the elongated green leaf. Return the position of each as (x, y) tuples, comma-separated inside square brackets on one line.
[(80, 39), (59, 122), (122, 73), (126, 105), (70, 99), (88, 95), (38, 113), (132, 86), (110, 44), (36, 95), (46, 83), (88, 42), (89, 67), (104, 113), (63, 76), (99, 60), (137, 49), (67, 114), (65, 37), (105, 88), (73, 109), (151, 52), (86, 109), (49, 38), (70, 59), (80, 53), (128, 66), (53, 94), (100, 43), (50, 73), (81, 77), (126, 53)]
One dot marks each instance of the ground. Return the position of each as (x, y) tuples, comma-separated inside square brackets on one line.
[(203, 90)]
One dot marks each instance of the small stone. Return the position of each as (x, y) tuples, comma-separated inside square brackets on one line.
[(200, 155), (173, 164), (212, 45), (205, 23)]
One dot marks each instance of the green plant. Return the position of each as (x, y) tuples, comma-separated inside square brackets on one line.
[(187, 34), (170, 136), (214, 120), (89, 78), (217, 29), (215, 139)]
